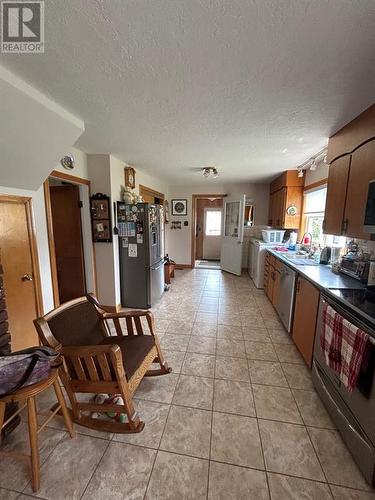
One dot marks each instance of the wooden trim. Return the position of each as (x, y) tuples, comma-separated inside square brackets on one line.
[(10, 198), (183, 266), (316, 184), (27, 201), (70, 178), (34, 256), (51, 243), (194, 199), (152, 192)]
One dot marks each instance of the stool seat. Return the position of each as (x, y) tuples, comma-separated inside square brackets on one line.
[(27, 395)]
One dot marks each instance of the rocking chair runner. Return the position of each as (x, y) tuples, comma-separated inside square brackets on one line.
[(97, 362)]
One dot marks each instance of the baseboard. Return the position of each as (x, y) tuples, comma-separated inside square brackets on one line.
[(183, 266)]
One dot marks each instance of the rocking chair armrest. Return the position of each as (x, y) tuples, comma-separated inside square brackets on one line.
[(135, 313)]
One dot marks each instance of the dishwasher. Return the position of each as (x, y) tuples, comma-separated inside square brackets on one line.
[(285, 301)]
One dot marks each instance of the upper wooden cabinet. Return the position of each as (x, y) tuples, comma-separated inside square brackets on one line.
[(348, 183), (285, 190), (336, 195), (362, 171), (355, 133), (351, 153)]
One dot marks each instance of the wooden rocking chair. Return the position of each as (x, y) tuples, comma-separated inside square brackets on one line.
[(97, 362)]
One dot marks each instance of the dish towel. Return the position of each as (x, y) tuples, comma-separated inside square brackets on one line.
[(344, 346)]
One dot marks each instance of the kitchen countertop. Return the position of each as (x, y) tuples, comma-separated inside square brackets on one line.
[(320, 275)]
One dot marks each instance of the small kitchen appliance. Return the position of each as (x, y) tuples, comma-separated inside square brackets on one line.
[(325, 256), (356, 267)]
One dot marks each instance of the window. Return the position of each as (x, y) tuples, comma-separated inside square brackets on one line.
[(213, 223), (315, 202)]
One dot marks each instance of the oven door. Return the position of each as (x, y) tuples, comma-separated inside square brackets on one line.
[(360, 403)]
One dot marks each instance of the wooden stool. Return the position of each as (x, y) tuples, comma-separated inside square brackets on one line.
[(27, 395)]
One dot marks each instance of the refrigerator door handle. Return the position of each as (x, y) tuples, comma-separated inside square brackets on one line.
[(158, 267)]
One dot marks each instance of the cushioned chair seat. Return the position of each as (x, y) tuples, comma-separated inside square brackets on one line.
[(134, 349)]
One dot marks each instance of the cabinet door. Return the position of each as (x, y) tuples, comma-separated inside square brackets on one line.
[(336, 195), (270, 282), (362, 171), (278, 208), (305, 315), (293, 196), (271, 209)]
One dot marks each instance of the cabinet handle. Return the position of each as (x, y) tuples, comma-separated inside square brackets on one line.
[(345, 224), (324, 225), (298, 285)]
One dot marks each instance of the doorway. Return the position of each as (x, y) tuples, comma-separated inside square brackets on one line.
[(19, 259), (69, 235), (151, 196), (207, 231)]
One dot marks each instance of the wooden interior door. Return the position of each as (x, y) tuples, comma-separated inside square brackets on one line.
[(19, 273), (67, 235), (336, 195), (362, 171), (305, 315)]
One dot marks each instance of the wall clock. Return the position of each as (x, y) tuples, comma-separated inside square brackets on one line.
[(130, 177), (68, 161)]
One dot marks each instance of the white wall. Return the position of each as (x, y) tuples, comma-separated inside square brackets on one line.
[(317, 175), (179, 240), (80, 167), (34, 132)]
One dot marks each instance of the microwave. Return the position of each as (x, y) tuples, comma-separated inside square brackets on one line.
[(369, 223)]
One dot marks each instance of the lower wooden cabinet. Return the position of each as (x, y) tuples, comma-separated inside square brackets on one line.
[(305, 317)]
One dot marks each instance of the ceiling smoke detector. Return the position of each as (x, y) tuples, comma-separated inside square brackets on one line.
[(210, 172)]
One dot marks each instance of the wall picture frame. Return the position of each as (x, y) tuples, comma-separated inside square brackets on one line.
[(179, 207), (129, 177)]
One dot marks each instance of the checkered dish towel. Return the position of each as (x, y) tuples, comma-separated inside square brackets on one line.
[(344, 346)]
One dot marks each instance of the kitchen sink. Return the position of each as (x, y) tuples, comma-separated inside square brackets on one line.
[(302, 260)]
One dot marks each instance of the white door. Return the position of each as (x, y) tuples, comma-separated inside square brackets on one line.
[(231, 248)]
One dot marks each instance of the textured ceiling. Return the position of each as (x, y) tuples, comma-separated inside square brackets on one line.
[(251, 86)]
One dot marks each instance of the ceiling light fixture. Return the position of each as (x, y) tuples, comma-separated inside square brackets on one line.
[(210, 172), (313, 165)]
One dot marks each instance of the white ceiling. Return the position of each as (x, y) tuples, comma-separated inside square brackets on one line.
[(251, 86)]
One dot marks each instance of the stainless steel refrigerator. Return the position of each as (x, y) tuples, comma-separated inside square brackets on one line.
[(141, 250)]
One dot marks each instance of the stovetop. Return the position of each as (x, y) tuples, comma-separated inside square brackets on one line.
[(362, 300)]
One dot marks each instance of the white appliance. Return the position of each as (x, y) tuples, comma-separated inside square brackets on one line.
[(256, 260)]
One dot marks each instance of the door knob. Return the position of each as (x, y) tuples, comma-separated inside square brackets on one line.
[(27, 277)]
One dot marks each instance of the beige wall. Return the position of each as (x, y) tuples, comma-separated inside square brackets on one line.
[(178, 241)]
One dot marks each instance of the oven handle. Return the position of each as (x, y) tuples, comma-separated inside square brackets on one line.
[(350, 317)]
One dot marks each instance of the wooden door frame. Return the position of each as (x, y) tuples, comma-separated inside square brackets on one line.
[(27, 201), (194, 199), (55, 174), (146, 190)]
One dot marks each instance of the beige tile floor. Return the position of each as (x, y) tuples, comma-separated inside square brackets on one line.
[(237, 419)]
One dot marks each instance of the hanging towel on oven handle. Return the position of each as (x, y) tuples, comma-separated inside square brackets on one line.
[(344, 346), (26, 367)]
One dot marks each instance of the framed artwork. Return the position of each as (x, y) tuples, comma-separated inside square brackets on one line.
[(179, 207), (130, 177), (100, 218)]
